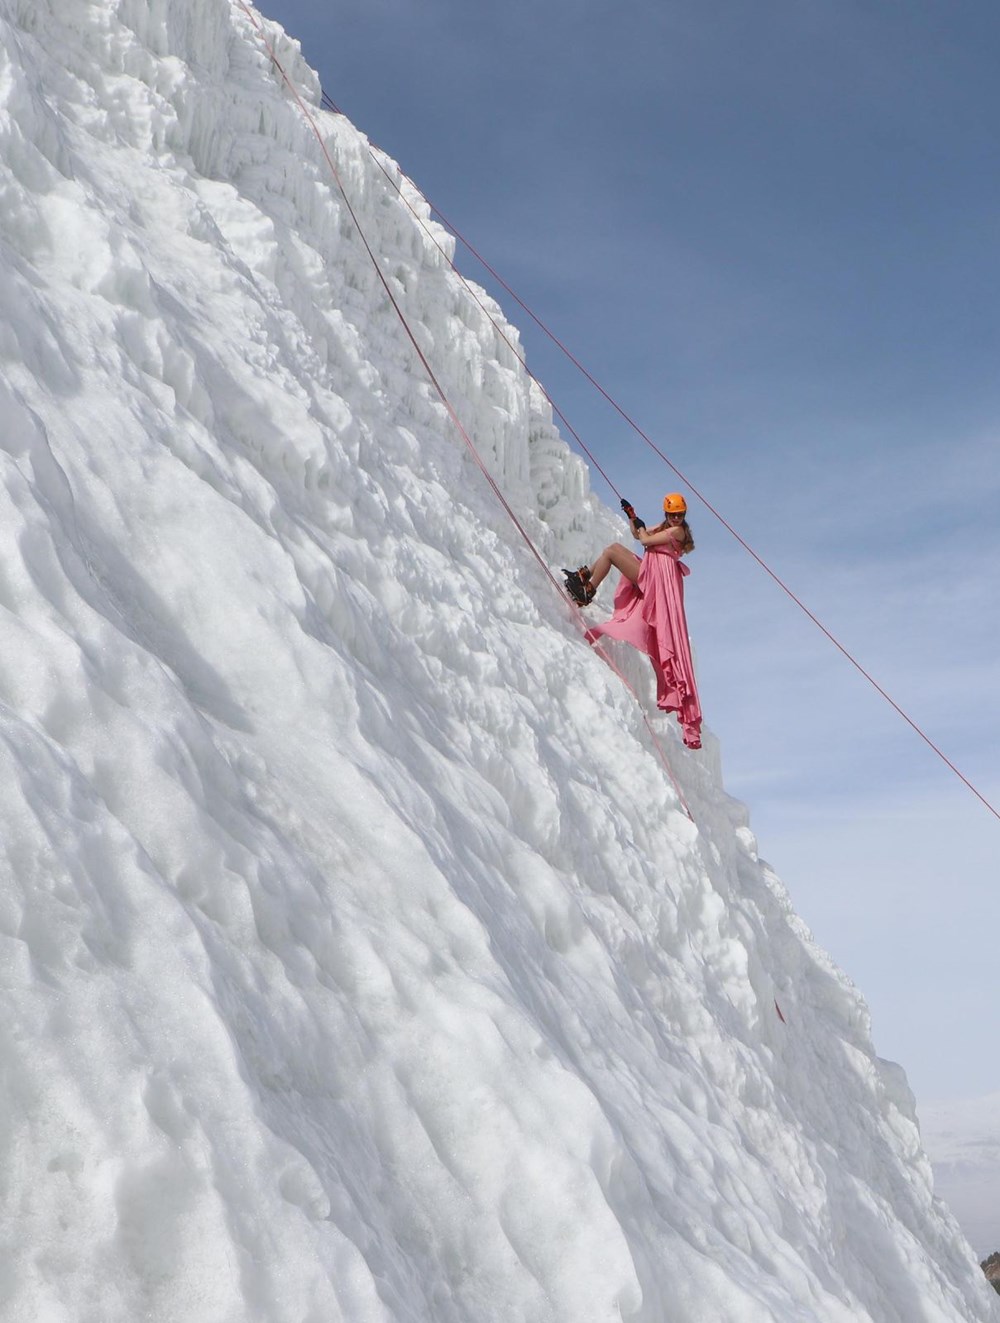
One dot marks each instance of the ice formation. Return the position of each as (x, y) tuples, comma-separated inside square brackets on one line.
[(359, 961)]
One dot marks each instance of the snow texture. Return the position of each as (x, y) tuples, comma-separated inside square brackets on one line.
[(359, 962)]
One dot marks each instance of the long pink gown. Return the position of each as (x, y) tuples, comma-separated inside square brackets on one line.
[(650, 616)]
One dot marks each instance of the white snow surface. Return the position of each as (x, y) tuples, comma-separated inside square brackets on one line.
[(358, 960)]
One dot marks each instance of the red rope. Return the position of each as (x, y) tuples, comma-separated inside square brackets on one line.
[(444, 397), (669, 463), (331, 105)]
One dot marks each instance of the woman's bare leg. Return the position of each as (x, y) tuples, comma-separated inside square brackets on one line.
[(618, 556)]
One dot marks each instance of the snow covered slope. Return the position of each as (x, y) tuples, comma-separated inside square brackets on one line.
[(358, 960)]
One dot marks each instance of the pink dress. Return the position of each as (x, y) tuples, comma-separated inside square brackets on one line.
[(650, 616)]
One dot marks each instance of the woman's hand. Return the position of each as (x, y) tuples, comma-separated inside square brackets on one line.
[(633, 519)]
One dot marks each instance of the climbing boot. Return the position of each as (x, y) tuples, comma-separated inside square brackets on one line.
[(578, 585)]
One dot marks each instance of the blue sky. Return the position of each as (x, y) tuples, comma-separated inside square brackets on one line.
[(771, 231)]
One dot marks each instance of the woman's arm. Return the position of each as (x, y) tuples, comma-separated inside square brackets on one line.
[(659, 536)]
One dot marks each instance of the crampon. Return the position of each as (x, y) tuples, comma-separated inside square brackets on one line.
[(578, 585)]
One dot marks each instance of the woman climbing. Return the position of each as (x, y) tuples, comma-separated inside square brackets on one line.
[(649, 606)]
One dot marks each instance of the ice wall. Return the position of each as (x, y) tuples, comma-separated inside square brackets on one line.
[(358, 960)]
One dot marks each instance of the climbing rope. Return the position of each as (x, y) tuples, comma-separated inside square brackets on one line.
[(684, 479), (376, 156), (443, 396)]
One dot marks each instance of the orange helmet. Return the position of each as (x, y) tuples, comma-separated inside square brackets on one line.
[(674, 503)]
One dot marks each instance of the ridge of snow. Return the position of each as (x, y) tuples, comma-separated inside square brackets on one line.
[(359, 960)]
